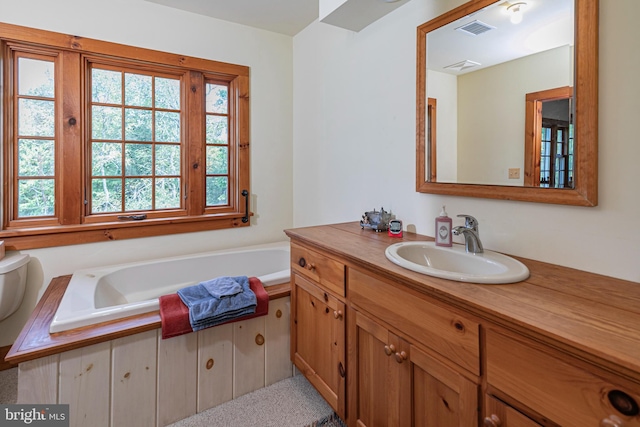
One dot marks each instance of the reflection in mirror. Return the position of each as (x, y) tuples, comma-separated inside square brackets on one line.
[(484, 72), (549, 139), (432, 152), (482, 66)]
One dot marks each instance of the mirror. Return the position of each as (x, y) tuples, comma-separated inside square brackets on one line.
[(480, 126)]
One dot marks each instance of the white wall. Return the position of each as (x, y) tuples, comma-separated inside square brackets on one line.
[(491, 109), (354, 143), (443, 88), (148, 25)]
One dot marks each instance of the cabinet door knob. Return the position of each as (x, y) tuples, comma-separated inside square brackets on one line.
[(389, 349), (337, 314), (401, 357), (611, 421), (492, 421), (310, 266)]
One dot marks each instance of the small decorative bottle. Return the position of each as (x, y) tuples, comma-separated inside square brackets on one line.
[(443, 229)]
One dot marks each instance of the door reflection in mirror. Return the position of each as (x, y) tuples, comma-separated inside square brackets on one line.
[(549, 139)]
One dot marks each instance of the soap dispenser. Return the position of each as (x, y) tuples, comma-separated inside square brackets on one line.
[(443, 229)]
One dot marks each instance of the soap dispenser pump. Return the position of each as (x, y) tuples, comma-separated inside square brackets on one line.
[(443, 229)]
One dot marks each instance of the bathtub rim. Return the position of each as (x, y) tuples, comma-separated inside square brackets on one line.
[(35, 341), (71, 318)]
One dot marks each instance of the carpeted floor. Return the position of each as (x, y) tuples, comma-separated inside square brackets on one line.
[(292, 402), (9, 386)]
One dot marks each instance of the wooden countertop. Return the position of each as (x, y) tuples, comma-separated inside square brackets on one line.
[(35, 341), (594, 317)]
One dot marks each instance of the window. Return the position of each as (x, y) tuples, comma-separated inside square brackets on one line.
[(104, 141)]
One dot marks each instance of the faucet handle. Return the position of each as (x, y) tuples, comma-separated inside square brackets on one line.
[(470, 222)]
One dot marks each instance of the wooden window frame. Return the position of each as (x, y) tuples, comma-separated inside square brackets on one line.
[(72, 224)]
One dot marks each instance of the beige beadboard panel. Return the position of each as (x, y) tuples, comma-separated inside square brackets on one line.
[(278, 365), (248, 356), (84, 372), (177, 378), (215, 366), (133, 381)]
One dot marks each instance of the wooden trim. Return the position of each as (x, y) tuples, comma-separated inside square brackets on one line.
[(432, 109), (86, 45), (585, 192), (71, 224), (35, 341), (4, 364), (46, 237)]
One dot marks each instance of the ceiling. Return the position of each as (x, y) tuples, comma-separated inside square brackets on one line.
[(281, 16), (546, 24)]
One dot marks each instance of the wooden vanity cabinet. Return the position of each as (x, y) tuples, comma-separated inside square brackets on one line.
[(563, 389), (396, 378), (318, 323), (559, 349), (382, 376), (499, 414)]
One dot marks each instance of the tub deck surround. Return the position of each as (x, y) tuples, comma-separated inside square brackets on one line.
[(35, 341), (104, 293), (593, 317)]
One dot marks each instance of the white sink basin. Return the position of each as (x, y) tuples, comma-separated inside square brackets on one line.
[(455, 264)]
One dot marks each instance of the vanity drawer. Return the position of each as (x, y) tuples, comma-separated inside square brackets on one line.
[(555, 385), (318, 267), (447, 332)]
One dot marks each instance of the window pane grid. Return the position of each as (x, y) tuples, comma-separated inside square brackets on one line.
[(217, 144), (42, 191), (35, 138), (136, 142)]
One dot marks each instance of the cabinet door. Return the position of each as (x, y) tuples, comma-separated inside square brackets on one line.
[(499, 414), (442, 397), (318, 340), (382, 376)]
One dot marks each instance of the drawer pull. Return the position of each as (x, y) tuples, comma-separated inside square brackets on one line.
[(389, 349), (310, 266), (337, 314), (259, 339), (302, 262), (611, 421), (401, 357), (623, 403), (492, 421)]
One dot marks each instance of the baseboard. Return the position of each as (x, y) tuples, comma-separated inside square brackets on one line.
[(5, 365)]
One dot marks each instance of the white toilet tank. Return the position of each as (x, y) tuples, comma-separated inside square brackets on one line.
[(13, 280)]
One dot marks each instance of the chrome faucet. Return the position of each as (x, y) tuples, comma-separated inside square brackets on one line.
[(471, 235)]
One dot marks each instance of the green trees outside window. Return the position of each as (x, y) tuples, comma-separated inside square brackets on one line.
[(95, 134)]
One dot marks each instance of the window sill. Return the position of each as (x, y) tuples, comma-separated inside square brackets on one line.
[(46, 237)]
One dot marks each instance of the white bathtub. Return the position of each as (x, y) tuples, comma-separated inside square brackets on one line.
[(107, 293)]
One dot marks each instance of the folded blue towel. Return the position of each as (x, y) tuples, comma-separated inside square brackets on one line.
[(206, 310), (224, 286)]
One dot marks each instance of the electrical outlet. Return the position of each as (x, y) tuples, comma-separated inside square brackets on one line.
[(514, 173)]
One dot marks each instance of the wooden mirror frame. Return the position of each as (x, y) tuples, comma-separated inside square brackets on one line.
[(585, 192)]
